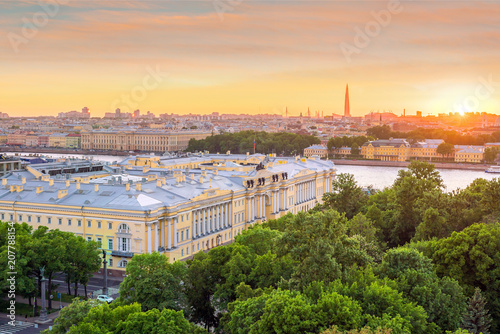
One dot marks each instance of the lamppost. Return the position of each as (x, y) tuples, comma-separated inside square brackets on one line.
[(43, 312), (105, 263)]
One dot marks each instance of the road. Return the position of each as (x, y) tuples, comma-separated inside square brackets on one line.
[(20, 328)]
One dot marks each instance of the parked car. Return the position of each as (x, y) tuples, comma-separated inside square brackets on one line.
[(104, 298)]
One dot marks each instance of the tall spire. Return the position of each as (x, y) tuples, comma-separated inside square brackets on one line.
[(347, 110)]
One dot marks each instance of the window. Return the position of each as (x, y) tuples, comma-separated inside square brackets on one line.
[(59, 221), (177, 237), (11, 217), (182, 235), (193, 248), (98, 224), (89, 238), (99, 242), (198, 247), (49, 220), (110, 243), (182, 252), (187, 250), (38, 219), (187, 234), (110, 262), (29, 219), (110, 225), (79, 222), (20, 218), (3, 216), (69, 222), (182, 218), (122, 264), (123, 228), (89, 223)]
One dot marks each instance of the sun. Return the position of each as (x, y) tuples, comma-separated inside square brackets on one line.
[(461, 109)]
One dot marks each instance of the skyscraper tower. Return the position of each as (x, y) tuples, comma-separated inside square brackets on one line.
[(347, 110)]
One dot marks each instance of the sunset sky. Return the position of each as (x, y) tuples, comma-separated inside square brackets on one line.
[(256, 57)]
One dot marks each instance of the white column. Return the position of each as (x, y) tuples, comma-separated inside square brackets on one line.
[(230, 213), (204, 226), (219, 214), (162, 237), (211, 219), (198, 228), (169, 233), (157, 236), (262, 206), (193, 231), (249, 211), (279, 200), (149, 237), (175, 231), (274, 201)]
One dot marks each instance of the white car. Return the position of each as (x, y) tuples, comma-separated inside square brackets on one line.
[(104, 298)]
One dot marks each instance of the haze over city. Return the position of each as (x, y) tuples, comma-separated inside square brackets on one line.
[(249, 57)]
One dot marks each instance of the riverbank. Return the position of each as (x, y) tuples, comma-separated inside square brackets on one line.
[(403, 164)]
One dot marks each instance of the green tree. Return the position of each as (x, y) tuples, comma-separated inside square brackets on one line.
[(472, 257), (442, 299), (490, 154), (432, 226), (476, 318), (355, 149), (346, 196), (319, 243), (154, 283), (72, 315), (445, 149)]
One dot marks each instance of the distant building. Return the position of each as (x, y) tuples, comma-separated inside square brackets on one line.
[(319, 150), (136, 140), (347, 108), (57, 140), (386, 150), (465, 153), (73, 140)]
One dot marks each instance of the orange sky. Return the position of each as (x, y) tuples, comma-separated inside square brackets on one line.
[(256, 57)]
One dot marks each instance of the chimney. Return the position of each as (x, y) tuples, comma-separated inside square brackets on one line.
[(13, 188), (192, 176), (138, 186), (127, 187), (61, 193), (4, 182), (96, 187), (201, 179), (67, 183), (39, 189), (23, 180), (51, 182), (158, 183), (78, 185)]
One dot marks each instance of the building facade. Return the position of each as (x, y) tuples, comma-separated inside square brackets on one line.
[(175, 206), (149, 141)]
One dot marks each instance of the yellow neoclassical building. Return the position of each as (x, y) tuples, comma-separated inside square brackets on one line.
[(141, 140), (177, 206), (386, 150)]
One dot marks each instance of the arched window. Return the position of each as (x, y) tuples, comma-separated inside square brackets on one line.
[(122, 264), (123, 228)]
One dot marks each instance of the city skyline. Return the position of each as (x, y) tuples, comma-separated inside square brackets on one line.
[(249, 57)]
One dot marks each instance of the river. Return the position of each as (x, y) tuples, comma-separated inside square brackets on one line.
[(378, 177), (381, 177)]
